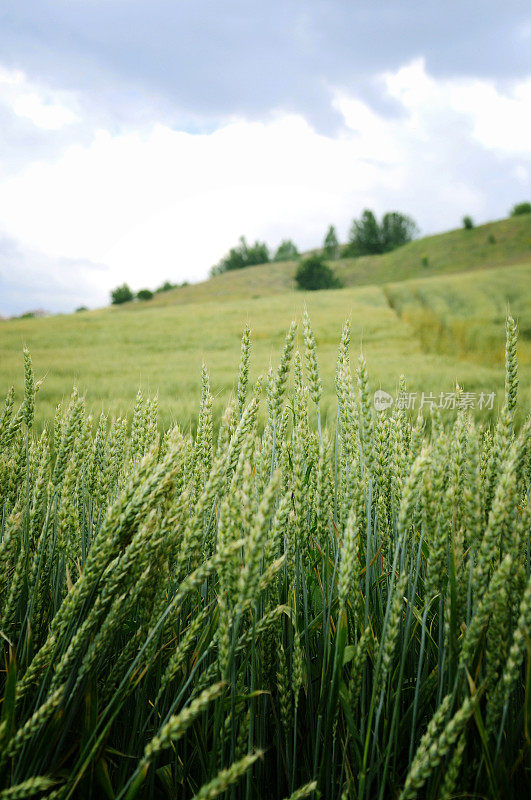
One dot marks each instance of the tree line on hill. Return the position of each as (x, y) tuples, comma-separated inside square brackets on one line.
[(124, 294), (367, 236)]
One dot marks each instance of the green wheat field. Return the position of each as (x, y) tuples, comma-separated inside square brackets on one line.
[(244, 581)]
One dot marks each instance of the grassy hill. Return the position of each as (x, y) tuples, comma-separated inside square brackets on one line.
[(485, 247)]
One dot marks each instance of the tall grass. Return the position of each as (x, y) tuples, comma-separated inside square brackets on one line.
[(286, 613)]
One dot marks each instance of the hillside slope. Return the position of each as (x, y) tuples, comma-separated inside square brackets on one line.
[(485, 247), (464, 314)]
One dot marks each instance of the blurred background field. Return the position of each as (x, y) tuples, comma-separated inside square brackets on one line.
[(437, 330)]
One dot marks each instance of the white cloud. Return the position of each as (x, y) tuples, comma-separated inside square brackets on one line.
[(498, 120), (50, 116), (167, 204), (46, 109)]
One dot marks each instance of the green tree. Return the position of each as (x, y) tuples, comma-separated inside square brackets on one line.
[(521, 208), (331, 244), (286, 251), (365, 236), (368, 237), (468, 223), (166, 286), (313, 273), (144, 294), (243, 255), (397, 229), (122, 294)]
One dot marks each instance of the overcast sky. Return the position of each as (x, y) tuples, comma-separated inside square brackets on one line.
[(140, 138)]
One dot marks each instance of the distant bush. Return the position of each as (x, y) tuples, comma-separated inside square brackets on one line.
[(468, 223), (243, 255), (313, 273), (331, 244), (286, 251), (122, 294), (81, 308), (369, 237), (34, 313), (166, 287), (144, 294), (491, 239), (521, 208), (425, 261)]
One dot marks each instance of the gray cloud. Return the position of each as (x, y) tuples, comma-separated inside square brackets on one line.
[(200, 60)]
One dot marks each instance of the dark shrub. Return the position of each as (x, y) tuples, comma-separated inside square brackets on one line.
[(313, 273), (521, 208), (144, 294), (122, 294)]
